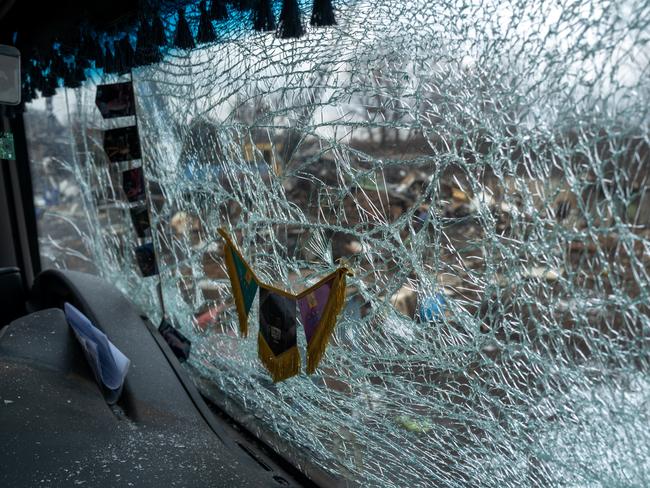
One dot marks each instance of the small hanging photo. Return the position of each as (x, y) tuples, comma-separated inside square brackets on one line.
[(122, 144), (140, 219), (115, 100), (146, 258), (276, 341), (133, 184)]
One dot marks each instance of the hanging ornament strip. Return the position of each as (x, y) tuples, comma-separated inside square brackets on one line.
[(122, 144), (243, 282), (319, 306)]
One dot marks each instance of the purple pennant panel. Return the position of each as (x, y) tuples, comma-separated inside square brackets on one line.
[(312, 306)]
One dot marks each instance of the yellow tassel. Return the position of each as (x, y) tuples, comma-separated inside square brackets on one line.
[(281, 367), (320, 339)]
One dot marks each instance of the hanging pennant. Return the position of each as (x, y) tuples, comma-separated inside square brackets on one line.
[(319, 307), (276, 341), (122, 144), (115, 100), (146, 258), (133, 184), (242, 280), (140, 219)]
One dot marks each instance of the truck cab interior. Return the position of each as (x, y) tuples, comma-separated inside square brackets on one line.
[(334, 243)]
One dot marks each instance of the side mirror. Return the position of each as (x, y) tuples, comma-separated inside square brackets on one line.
[(9, 75)]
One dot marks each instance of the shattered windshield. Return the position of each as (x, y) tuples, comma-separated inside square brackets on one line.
[(482, 170)]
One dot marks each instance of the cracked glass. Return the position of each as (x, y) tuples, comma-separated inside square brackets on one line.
[(482, 167)]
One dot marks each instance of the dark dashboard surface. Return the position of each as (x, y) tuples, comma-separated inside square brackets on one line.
[(57, 430)]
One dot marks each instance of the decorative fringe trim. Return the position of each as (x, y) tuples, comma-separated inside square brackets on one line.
[(323, 333), (322, 13), (218, 10), (50, 85), (183, 38), (242, 5), (206, 32), (290, 21), (263, 19), (91, 50), (124, 56), (109, 60), (281, 367), (158, 37), (146, 52)]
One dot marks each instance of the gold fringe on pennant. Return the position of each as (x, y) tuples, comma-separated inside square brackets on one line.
[(235, 285), (320, 339), (281, 367)]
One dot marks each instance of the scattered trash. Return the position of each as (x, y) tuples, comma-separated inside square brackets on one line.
[(182, 224), (459, 195), (108, 363), (353, 247), (413, 425), (206, 317), (433, 308), (548, 274), (482, 200), (405, 301)]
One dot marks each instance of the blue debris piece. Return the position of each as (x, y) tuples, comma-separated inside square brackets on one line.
[(433, 308)]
